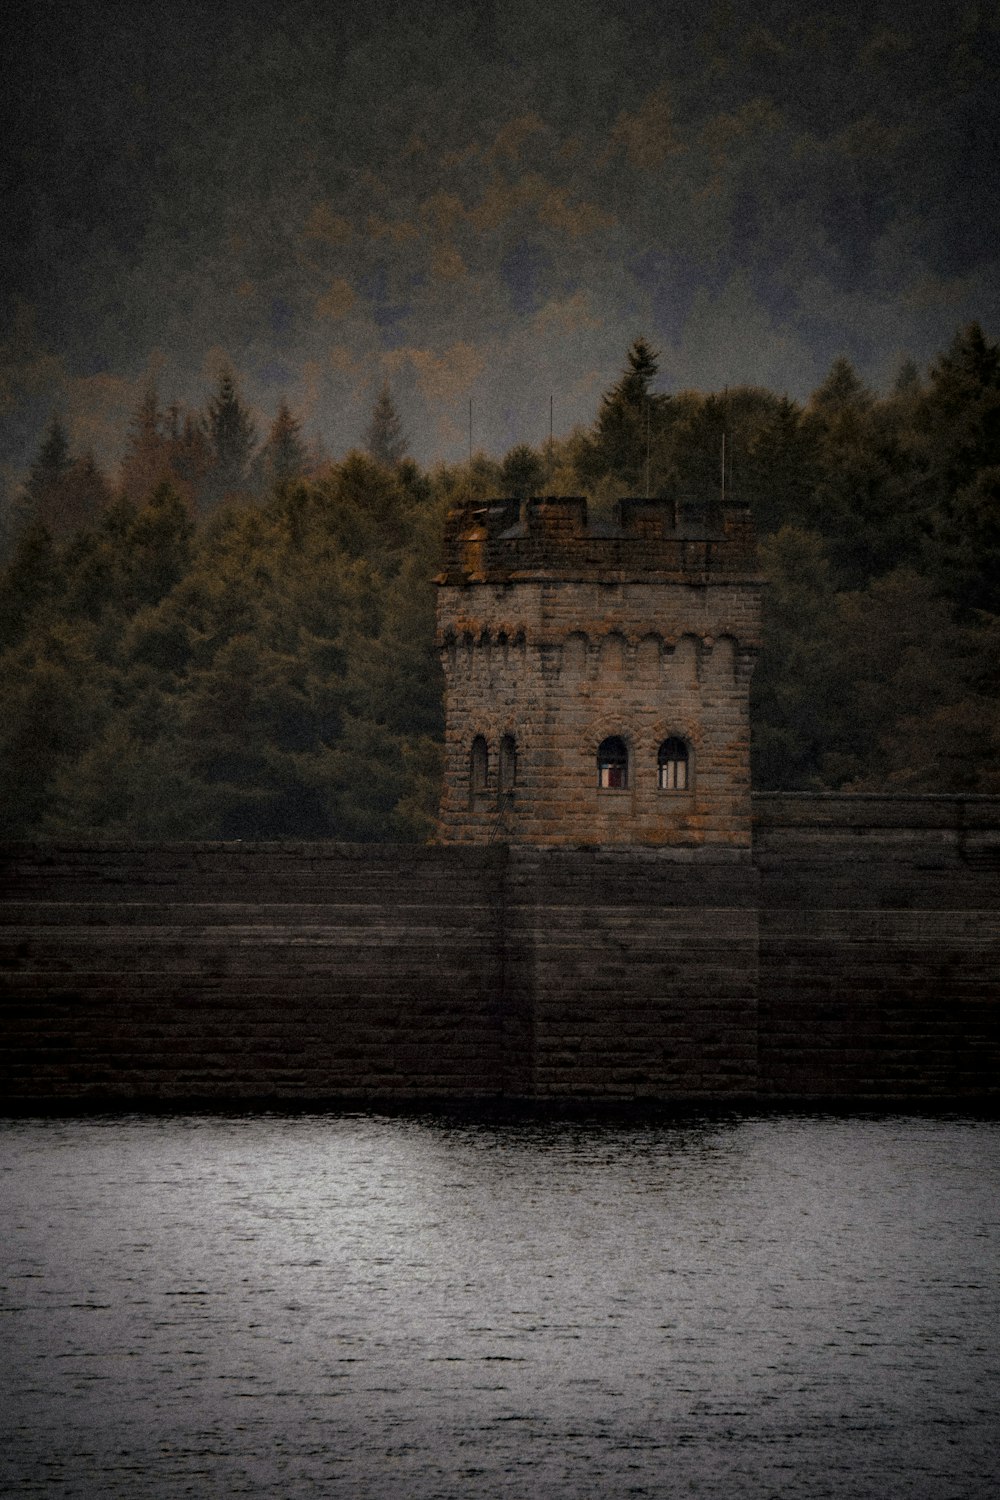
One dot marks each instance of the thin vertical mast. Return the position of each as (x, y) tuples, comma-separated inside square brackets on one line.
[(725, 411), (647, 447)]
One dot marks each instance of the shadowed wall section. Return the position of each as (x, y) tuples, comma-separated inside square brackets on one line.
[(238, 971), (857, 956), (879, 945)]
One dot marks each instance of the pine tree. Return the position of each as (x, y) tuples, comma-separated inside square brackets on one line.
[(45, 491), (385, 438), (282, 459), (522, 472), (231, 435), (629, 421), (632, 390), (190, 457), (907, 382), (960, 418), (147, 458), (87, 493)]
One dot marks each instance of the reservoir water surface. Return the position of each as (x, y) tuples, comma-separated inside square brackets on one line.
[(431, 1305)]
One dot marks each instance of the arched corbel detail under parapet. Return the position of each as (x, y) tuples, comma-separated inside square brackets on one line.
[(719, 663), (685, 660), (575, 654), (649, 657), (612, 656)]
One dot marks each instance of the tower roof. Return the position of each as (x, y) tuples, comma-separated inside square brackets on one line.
[(682, 539)]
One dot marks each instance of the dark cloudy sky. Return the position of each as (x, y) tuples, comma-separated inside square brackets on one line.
[(485, 200)]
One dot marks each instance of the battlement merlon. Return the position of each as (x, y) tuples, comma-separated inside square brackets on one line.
[(684, 538)]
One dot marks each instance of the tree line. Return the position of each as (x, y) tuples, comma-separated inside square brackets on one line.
[(210, 458), (236, 639)]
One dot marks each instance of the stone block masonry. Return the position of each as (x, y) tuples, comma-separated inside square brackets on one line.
[(237, 971), (879, 946), (558, 638), (855, 956)]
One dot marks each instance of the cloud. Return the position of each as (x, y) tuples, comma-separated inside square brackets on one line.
[(532, 197), (561, 317), (447, 264), (649, 136), (728, 136), (441, 377), (27, 368), (337, 301), (341, 359), (731, 338), (399, 231), (556, 212), (501, 202), (512, 137), (325, 225), (443, 213)]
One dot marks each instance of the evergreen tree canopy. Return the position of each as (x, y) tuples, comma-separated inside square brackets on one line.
[(629, 429), (232, 434), (522, 473), (146, 462), (45, 488), (282, 458), (385, 439)]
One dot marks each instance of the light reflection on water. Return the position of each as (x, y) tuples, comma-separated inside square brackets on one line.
[(369, 1306)]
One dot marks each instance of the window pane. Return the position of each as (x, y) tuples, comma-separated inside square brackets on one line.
[(612, 764), (672, 762)]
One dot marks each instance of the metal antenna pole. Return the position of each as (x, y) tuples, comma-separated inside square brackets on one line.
[(725, 414), (549, 464), (647, 447)]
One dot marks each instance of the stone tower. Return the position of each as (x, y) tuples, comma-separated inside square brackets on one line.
[(598, 676)]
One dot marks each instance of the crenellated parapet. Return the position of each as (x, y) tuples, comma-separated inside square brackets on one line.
[(678, 539)]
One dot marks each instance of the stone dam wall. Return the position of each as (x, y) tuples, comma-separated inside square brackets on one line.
[(855, 957)]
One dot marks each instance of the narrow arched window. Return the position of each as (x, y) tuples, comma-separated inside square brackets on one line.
[(508, 765), (612, 764), (479, 766), (673, 764)]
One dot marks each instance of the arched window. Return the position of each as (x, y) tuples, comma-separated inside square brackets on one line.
[(479, 767), (508, 765), (612, 764), (672, 763)]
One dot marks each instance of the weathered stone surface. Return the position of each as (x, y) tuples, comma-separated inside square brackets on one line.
[(560, 636), (856, 956)]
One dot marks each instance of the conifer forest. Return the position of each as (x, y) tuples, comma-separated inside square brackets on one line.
[(232, 636)]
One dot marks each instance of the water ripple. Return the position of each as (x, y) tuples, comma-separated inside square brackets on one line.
[(426, 1307)]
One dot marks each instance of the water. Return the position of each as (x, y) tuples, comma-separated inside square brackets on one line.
[(368, 1306)]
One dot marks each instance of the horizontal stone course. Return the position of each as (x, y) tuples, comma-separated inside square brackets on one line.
[(136, 973)]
